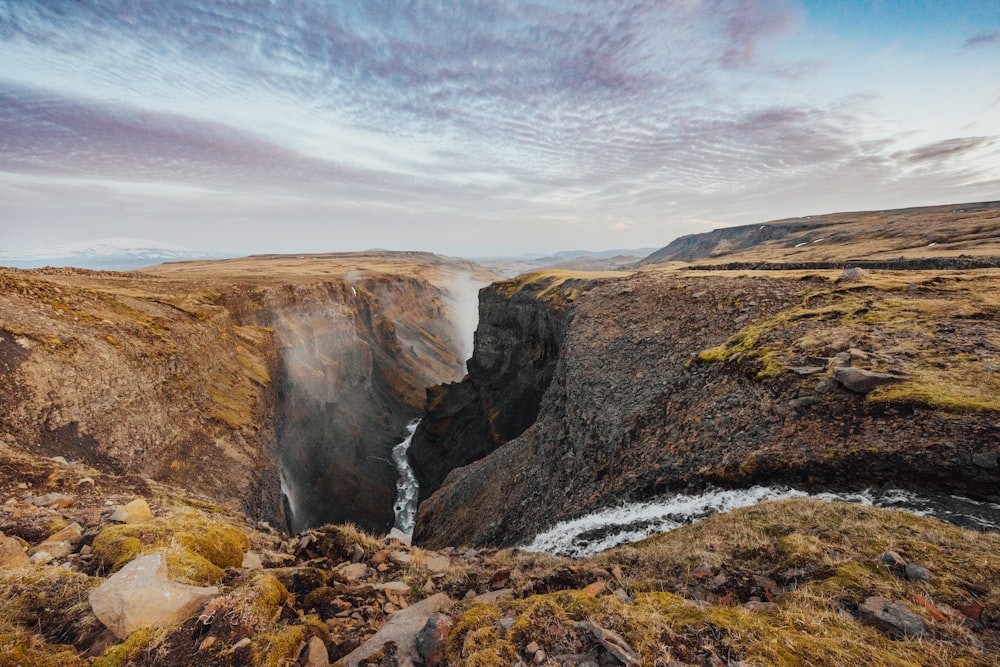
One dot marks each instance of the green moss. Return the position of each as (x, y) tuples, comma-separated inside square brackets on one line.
[(189, 567), (278, 648), (21, 648), (256, 606), (220, 544), (122, 654), (115, 546), (940, 376), (198, 549)]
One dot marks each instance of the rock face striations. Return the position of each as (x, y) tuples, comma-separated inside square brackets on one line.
[(671, 381), (517, 345), (226, 377)]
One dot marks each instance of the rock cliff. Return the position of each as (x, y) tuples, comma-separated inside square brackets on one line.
[(667, 381), (235, 378), (521, 329)]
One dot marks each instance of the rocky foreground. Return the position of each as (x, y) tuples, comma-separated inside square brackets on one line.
[(97, 569)]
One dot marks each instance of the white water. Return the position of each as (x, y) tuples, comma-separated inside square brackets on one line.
[(289, 501), (406, 485), (632, 522)]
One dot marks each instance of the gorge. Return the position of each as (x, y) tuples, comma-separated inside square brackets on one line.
[(258, 406), (245, 380)]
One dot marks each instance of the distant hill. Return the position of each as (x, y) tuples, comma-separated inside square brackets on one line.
[(571, 260), (952, 231), (109, 254)]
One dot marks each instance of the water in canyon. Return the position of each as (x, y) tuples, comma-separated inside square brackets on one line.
[(632, 522), (407, 488)]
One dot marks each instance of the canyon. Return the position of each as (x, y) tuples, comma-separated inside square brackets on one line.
[(253, 406), (277, 385)]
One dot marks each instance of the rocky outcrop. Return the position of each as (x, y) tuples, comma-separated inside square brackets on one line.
[(647, 397), (517, 344)]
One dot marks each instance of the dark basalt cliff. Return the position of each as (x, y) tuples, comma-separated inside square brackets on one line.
[(671, 381), (517, 345)]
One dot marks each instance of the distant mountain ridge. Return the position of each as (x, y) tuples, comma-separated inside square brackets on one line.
[(950, 231), (109, 254)]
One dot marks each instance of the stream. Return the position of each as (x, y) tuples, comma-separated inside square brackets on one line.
[(596, 532)]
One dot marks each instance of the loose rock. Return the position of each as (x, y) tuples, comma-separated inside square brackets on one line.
[(12, 554), (402, 628), (315, 654), (53, 500), (892, 617), (140, 595), (861, 381), (136, 511)]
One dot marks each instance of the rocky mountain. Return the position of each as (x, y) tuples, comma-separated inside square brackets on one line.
[(110, 254)]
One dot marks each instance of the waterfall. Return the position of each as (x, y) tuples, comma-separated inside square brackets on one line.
[(406, 485)]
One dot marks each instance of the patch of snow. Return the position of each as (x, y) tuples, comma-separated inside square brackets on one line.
[(799, 245)]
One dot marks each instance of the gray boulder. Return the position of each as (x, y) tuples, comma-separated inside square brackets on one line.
[(401, 628), (141, 595)]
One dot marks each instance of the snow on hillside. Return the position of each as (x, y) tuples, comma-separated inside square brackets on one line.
[(116, 253)]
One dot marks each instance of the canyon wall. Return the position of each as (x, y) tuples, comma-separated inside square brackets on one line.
[(516, 348), (115, 371), (243, 380), (671, 381)]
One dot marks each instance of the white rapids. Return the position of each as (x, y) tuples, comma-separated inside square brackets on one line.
[(593, 533), (407, 487)]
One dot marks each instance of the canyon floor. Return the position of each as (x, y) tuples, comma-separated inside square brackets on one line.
[(164, 431)]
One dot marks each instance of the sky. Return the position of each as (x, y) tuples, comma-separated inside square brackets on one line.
[(483, 128)]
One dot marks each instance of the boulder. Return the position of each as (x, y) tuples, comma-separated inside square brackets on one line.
[(852, 274), (53, 500), (136, 511), (438, 563), (891, 617), (401, 628), (988, 460), (141, 595), (72, 533), (861, 381), (612, 642), (354, 571), (917, 572), (62, 543), (12, 554), (252, 561)]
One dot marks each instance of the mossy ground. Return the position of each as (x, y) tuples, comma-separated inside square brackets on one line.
[(825, 554), (938, 329), (198, 548)]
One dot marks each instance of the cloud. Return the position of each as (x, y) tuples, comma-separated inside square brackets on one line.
[(44, 133), (945, 149), (983, 39)]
